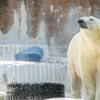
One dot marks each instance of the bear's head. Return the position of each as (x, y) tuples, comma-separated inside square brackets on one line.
[(90, 26)]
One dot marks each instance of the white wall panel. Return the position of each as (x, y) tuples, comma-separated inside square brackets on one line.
[(14, 71)]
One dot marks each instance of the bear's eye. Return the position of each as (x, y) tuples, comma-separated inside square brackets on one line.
[(91, 19)]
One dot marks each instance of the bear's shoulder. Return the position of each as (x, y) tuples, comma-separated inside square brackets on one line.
[(76, 38), (74, 42)]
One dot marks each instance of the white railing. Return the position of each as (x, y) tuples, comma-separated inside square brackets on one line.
[(7, 52)]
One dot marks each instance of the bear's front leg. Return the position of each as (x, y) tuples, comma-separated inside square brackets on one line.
[(98, 81), (75, 86), (97, 93), (89, 85)]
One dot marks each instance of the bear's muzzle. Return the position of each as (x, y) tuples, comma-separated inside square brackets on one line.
[(82, 23)]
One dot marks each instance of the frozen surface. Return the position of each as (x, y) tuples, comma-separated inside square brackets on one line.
[(64, 99), (67, 96)]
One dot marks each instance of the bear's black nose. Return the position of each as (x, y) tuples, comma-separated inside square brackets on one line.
[(80, 21)]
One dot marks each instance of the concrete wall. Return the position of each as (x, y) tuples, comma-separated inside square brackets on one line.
[(44, 22)]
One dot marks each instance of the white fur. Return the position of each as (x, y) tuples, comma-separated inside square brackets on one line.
[(84, 60)]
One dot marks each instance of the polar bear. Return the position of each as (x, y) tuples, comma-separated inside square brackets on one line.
[(84, 59)]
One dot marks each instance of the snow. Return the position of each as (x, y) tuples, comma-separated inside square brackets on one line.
[(64, 99), (51, 8)]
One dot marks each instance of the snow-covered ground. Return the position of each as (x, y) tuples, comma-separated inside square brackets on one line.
[(64, 99), (67, 96)]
